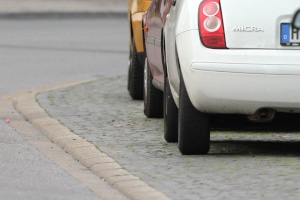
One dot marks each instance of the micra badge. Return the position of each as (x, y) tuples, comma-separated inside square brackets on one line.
[(248, 29)]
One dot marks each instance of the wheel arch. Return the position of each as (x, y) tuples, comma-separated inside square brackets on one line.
[(173, 73)]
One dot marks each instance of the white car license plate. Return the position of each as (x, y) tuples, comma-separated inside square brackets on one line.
[(289, 35)]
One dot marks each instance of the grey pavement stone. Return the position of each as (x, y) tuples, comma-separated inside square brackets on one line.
[(251, 165), (27, 174)]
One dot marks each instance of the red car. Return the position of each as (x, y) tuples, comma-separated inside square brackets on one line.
[(154, 71)]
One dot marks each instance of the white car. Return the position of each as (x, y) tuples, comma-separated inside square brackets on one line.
[(229, 57)]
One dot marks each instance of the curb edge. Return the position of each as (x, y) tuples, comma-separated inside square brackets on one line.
[(81, 150)]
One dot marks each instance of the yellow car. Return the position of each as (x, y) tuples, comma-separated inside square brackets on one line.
[(136, 9)]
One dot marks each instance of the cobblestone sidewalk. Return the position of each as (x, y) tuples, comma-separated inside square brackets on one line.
[(240, 165)]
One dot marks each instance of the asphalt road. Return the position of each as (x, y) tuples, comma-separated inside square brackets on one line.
[(41, 52)]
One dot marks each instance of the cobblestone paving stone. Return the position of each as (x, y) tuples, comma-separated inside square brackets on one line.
[(240, 165)]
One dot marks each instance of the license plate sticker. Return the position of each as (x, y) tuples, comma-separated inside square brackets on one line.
[(289, 36)]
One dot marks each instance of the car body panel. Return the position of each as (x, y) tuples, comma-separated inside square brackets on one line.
[(154, 19), (248, 25), (136, 9), (254, 72)]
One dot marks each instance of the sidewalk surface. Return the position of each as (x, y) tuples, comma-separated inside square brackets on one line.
[(62, 6)]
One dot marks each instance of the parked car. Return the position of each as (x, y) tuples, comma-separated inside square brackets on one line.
[(136, 9), (228, 57), (154, 71)]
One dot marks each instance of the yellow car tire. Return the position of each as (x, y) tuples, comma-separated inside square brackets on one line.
[(135, 74)]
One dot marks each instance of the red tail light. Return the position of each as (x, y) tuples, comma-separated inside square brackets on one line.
[(211, 24)]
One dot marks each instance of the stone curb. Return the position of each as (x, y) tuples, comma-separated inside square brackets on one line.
[(86, 153)]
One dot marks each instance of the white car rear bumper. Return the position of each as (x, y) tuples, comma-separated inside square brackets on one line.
[(239, 81)]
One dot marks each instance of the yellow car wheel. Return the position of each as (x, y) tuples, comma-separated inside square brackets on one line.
[(135, 74)]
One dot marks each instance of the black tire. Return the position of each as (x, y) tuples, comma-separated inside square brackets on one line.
[(153, 98), (194, 126), (170, 114), (135, 74), (129, 70)]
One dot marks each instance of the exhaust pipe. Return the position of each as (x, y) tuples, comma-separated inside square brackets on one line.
[(262, 115)]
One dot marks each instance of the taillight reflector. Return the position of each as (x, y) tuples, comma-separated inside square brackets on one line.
[(211, 27)]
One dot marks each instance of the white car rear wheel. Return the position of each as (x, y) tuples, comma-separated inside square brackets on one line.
[(194, 126)]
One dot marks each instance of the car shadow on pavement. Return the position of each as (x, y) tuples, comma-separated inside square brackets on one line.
[(281, 123), (255, 148), (236, 135)]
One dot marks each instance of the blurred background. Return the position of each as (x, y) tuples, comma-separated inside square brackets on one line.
[(11, 6)]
